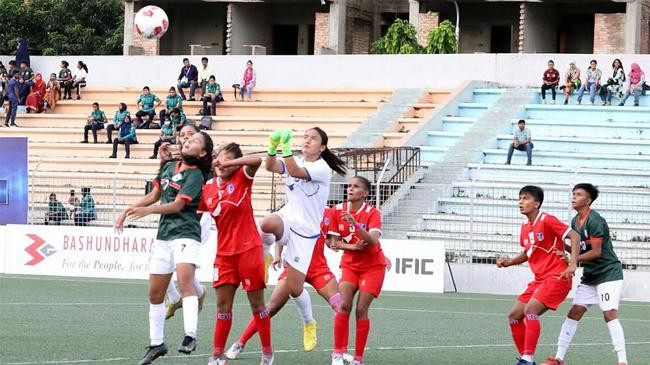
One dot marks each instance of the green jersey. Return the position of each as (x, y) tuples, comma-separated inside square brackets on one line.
[(175, 101), (605, 268), (186, 185)]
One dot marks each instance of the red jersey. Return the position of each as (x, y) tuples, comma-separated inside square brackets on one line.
[(540, 239), (318, 259), (229, 204), (368, 218)]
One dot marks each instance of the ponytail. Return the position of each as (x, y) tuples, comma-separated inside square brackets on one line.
[(205, 162), (333, 161)]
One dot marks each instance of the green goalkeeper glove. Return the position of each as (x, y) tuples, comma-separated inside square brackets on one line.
[(285, 142), (274, 140)]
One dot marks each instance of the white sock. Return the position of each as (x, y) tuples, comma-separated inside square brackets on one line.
[(156, 323), (197, 287), (303, 303), (528, 358), (190, 315), (566, 336), (172, 292), (618, 339)]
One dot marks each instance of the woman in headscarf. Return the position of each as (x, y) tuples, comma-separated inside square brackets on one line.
[(248, 82), (34, 101), (636, 79), (22, 52), (571, 81)]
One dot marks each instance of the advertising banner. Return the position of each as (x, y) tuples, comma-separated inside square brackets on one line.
[(13, 180), (416, 266)]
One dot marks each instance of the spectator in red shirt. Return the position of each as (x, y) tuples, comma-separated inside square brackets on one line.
[(551, 79)]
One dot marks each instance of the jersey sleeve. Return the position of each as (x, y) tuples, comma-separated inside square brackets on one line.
[(192, 186), (334, 222), (556, 226), (374, 221), (597, 229), (319, 172)]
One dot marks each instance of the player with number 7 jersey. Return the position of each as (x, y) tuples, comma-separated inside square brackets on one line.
[(227, 198)]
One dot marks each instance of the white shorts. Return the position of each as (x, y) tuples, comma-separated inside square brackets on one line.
[(166, 254), (607, 295), (299, 248)]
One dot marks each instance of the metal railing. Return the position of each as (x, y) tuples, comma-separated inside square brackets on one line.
[(387, 168), (478, 221)]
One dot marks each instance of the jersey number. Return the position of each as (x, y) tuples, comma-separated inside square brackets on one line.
[(183, 247), (604, 297)]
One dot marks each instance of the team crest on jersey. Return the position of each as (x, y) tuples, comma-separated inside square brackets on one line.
[(177, 177), (362, 225), (209, 201), (230, 188), (540, 236), (326, 221)]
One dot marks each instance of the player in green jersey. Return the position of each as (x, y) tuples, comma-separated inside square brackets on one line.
[(602, 278), (178, 187)]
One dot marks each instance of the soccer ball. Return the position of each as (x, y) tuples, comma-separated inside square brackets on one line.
[(151, 22)]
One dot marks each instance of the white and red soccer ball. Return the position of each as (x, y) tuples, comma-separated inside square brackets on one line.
[(151, 22)]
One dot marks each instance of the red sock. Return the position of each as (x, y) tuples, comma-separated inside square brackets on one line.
[(250, 331), (263, 323), (533, 330), (518, 329), (341, 332), (363, 328), (221, 331)]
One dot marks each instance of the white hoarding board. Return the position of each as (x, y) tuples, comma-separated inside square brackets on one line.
[(417, 266)]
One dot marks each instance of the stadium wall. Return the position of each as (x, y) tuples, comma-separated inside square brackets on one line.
[(335, 71), (488, 279)]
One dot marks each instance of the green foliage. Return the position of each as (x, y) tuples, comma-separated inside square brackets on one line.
[(62, 27), (442, 39), (401, 38)]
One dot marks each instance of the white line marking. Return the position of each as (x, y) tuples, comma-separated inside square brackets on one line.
[(403, 310), (450, 296), (380, 348)]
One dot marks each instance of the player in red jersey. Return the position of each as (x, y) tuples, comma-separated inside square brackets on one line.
[(542, 239), (356, 227), (318, 275), (227, 198)]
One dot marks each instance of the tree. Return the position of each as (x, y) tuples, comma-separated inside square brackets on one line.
[(401, 38), (442, 39), (61, 27)]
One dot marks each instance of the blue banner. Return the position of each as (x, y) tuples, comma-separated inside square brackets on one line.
[(13, 180)]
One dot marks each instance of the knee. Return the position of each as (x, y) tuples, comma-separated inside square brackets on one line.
[(155, 297), (576, 313), (515, 315), (610, 315), (346, 307), (361, 312)]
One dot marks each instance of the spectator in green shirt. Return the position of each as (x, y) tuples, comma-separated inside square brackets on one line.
[(95, 122), (212, 95), (146, 106), (172, 101), (126, 136), (118, 119), (178, 119), (167, 134), (27, 73), (86, 211), (55, 211)]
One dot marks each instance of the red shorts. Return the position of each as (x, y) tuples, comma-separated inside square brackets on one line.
[(317, 278), (551, 291), (369, 281), (246, 268)]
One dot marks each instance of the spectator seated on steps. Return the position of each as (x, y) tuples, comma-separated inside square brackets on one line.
[(147, 104), (125, 136), (95, 122)]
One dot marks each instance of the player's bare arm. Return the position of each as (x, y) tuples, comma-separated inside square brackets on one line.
[(517, 260), (595, 252), (575, 254), (371, 238)]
